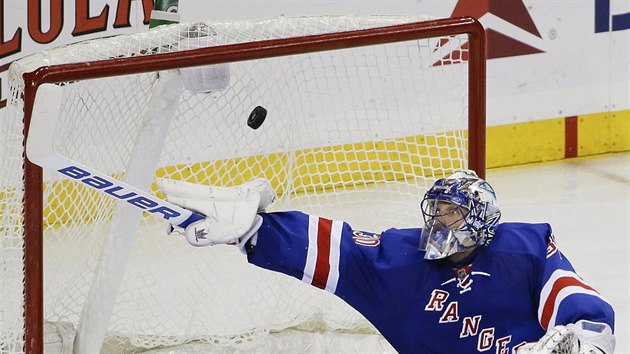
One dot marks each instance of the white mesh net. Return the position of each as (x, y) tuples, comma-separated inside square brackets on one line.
[(352, 134)]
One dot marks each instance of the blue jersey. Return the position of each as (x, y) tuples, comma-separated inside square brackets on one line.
[(503, 295)]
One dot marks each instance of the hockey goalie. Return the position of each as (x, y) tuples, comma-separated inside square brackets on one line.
[(476, 284)]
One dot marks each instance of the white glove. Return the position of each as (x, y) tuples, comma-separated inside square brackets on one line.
[(582, 337), (231, 212)]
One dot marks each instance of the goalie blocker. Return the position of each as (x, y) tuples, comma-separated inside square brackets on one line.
[(386, 277)]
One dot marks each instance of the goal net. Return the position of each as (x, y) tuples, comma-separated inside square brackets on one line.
[(364, 112)]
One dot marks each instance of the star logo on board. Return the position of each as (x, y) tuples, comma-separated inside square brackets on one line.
[(510, 30)]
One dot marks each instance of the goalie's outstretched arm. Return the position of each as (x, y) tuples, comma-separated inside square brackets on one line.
[(321, 252)]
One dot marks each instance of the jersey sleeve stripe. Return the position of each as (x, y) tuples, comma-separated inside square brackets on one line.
[(311, 253), (570, 290), (548, 287), (322, 267), (335, 253), (561, 288)]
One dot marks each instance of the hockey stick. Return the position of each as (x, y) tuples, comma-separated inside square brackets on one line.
[(40, 150), (100, 302)]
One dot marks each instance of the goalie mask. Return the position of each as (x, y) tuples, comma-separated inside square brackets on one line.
[(459, 212)]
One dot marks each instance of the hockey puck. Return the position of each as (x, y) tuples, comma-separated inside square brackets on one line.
[(257, 117)]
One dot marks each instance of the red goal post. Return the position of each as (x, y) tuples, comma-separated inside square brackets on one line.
[(474, 53)]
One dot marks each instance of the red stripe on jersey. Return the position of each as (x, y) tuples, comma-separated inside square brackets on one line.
[(322, 265), (558, 285)]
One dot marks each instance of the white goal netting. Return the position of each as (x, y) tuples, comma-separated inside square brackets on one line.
[(354, 134)]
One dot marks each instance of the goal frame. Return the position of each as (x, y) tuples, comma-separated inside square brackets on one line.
[(33, 174)]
